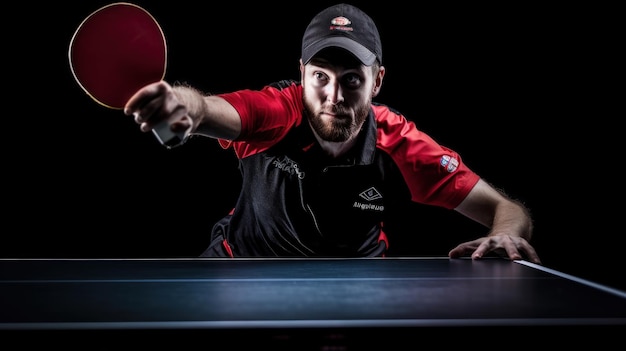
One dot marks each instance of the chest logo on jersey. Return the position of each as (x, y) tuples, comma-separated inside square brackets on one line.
[(369, 194), (289, 166)]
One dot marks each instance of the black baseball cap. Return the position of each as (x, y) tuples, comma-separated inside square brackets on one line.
[(346, 27)]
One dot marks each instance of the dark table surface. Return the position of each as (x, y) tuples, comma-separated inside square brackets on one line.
[(286, 296)]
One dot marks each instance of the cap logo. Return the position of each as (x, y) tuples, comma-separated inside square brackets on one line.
[(340, 23)]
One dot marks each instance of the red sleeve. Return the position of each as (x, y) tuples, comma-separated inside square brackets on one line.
[(435, 174), (266, 117)]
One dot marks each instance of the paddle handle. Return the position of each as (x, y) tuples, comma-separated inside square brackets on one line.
[(164, 134)]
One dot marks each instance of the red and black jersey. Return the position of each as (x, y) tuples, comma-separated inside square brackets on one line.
[(296, 201)]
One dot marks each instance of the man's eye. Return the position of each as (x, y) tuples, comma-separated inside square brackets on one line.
[(352, 80), (320, 76)]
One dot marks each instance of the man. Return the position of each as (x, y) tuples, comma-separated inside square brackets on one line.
[(322, 165)]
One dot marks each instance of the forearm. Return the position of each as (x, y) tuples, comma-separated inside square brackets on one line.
[(512, 218), (497, 211), (211, 115)]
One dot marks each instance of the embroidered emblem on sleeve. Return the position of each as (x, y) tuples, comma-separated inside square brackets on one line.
[(449, 163)]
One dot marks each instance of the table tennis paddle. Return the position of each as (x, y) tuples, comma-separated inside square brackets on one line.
[(115, 51)]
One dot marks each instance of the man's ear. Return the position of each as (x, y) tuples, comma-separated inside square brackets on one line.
[(378, 81)]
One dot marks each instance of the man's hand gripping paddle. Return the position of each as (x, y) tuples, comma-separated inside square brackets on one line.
[(117, 50)]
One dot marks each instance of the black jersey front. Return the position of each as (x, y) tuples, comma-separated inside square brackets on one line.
[(297, 201)]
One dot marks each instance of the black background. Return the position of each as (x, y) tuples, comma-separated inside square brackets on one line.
[(524, 93)]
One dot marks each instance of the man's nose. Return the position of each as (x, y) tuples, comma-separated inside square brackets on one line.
[(334, 93)]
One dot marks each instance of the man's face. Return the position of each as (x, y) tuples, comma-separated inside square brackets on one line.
[(337, 94)]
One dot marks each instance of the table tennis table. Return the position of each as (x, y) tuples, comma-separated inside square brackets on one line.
[(295, 302)]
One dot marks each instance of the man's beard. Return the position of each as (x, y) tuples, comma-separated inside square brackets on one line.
[(340, 128)]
